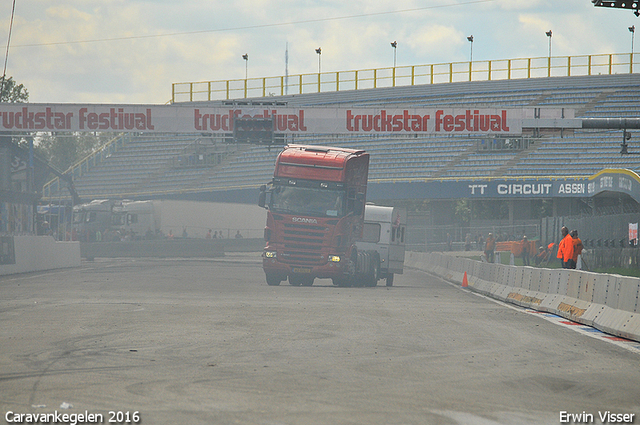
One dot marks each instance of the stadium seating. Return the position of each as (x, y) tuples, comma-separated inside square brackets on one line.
[(147, 166)]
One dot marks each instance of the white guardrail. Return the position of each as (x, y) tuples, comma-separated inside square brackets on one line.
[(606, 302)]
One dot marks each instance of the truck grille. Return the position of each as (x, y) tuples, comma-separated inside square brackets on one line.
[(303, 244)]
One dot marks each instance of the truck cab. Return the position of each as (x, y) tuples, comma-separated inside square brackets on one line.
[(141, 218), (315, 214), (92, 217)]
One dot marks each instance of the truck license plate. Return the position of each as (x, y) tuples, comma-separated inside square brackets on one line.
[(301, 270)]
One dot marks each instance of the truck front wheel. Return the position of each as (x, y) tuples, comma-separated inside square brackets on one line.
[(390, 279), (273, 280), (343, 281), (297, 280)]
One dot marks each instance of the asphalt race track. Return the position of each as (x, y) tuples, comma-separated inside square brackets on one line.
[(208, 342)]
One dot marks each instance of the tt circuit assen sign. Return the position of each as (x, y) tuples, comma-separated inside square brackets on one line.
[(544, 188), (212, 120), (485, 189), (608, 180)]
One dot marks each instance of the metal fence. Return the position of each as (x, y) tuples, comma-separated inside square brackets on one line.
[(501, 69), (610, 231), (436, 238)]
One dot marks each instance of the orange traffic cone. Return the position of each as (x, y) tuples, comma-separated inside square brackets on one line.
[(465, 282)]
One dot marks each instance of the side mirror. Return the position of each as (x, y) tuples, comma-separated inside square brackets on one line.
[(262, 198)]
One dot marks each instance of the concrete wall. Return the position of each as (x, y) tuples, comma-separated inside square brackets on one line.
[(606, 302), (36, 253), (175, 248)]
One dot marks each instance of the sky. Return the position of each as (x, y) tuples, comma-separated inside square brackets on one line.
[(131, 51)]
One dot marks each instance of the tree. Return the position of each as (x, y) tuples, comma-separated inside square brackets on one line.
[(490, 210), (62, 150), (462, 211), (12, 92)]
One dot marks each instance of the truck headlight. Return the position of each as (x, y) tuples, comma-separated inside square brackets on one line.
[(334, 258), (270, 254)]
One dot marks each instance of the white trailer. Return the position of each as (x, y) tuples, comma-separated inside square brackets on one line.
[(384, 232)]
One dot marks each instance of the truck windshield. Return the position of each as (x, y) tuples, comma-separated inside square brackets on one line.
[(78, 217), (307, 201), (119, 219)]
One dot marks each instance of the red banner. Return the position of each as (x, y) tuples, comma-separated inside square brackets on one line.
[(309, 120)]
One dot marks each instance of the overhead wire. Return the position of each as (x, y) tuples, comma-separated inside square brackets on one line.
[(6, 55), (248, 27)]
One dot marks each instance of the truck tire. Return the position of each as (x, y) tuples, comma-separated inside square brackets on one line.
[(342, 282), (273, 280), (360, 279), (372, 278), (390, 279), (301, 280), (295, 280)]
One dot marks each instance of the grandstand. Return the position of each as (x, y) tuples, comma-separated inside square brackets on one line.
[(146, 166)]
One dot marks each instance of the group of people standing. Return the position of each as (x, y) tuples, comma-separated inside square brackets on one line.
[(216, 235), (569, 248)]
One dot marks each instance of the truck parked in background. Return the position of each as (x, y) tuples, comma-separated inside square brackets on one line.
[(384, 232), (141, 218), (92, 217), (164, 217), (315, 215), (138, 218), (52, 219)]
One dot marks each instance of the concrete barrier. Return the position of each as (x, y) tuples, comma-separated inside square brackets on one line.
[(588, 286), (610, 303), (164, 248), (502, 290), (37, 253), (613, 292), (628, 294), (545, 280), (601, 288)]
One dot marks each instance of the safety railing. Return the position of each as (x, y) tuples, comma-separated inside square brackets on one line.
[(502, 69), (53, 187)]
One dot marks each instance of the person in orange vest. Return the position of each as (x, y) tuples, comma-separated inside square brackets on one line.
[(549, 251), (543, 255), (577, 248), (489, 247), (565, 248)]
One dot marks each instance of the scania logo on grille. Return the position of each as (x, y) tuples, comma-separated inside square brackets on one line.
[(304, 220)]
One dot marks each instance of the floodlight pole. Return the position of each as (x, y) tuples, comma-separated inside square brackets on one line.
[(319, 52), (246, 65), (549, 34), (394, 44), (246, 73)]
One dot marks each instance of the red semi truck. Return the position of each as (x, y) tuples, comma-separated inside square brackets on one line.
[(315, 214)]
